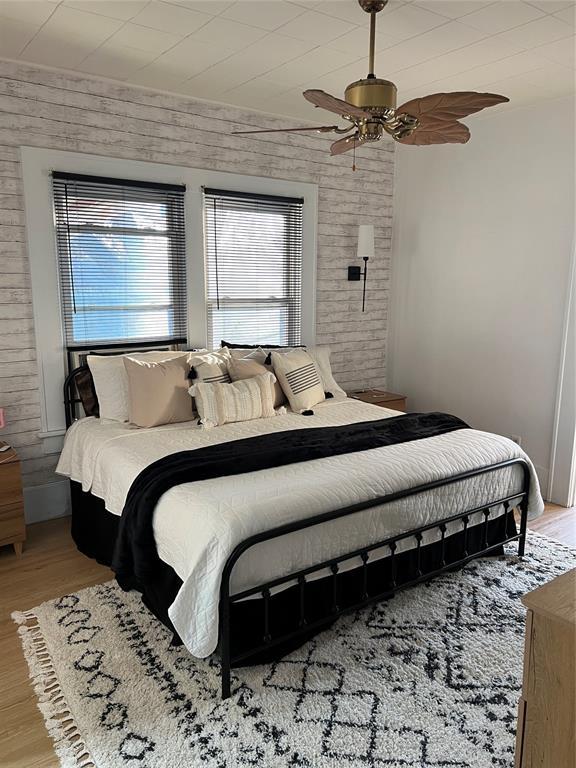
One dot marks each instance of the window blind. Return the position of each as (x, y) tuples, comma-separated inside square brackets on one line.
[(121, 258), (253, 247)]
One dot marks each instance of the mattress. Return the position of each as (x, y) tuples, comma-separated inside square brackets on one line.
[(197, 525)]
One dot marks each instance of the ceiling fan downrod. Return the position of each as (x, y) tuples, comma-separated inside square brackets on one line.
[(372, 7)]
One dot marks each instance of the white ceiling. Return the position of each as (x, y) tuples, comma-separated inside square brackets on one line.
[(262, 54)]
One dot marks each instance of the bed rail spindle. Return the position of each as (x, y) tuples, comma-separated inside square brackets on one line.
[(418, 538), (465, 521), (225, 656), (486, 513), (508, 529), (334, 568), (442, 527), (392, 547), (364, 556), (302, 585), (523, 507), (266, 596)]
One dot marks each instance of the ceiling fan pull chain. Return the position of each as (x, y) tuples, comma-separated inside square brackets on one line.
[(354, 154)]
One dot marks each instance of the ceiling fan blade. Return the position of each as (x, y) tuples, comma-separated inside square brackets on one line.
[(344, 145), (332, 104), (437, 132), (450, 106), (318, 129)]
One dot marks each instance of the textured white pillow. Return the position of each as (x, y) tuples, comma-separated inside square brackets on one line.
[(321, 356), (243, 400), (299, 377), (111, 381)]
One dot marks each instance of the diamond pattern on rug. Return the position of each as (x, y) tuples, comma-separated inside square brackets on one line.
[(430, 679)]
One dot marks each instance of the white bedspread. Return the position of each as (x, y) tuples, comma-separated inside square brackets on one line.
[(197, 525)]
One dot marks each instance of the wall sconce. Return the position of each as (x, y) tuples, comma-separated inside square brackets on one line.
[(365, 252)]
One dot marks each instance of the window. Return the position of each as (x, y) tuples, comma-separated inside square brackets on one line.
[(253, 246), (121, 257)]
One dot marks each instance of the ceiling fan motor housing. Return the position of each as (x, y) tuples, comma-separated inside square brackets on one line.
[(373, 95)]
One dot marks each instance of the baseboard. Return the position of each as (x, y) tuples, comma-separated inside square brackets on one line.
[(45, 502)]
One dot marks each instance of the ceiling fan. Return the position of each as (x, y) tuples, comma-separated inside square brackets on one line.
[(370, 107)]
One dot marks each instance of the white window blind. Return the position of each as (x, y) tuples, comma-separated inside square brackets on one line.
[(122, 259), (253, 247)]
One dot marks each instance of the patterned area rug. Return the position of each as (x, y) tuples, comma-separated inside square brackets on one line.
[(430, 679)]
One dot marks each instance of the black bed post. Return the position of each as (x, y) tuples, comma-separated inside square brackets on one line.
[(524, 510), (225, 634)]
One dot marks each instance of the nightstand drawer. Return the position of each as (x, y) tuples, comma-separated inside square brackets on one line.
[(10, 483), (11, 523), (396, 405)]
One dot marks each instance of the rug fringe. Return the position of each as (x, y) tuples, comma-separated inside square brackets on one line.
[(69, 744)]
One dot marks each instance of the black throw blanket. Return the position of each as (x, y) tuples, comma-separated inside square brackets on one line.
[(136, 560)]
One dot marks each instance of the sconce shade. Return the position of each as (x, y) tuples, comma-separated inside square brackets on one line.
[(365, 241)]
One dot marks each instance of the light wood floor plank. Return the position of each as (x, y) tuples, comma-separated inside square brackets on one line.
[(52, 566)]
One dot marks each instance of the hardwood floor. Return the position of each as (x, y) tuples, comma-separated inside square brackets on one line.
[(558, 523), (51, 566)]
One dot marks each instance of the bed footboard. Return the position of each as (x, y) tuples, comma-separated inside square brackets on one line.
[(367, 592)]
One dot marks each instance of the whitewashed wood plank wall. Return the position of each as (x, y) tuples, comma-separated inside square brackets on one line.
[(40, 107)]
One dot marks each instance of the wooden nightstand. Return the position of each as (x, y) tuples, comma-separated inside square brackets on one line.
[(381, 398), (12, 527)]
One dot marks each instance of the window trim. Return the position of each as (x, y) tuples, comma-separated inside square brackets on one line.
[(37, 167)]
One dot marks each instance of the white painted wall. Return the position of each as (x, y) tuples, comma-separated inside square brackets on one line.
[(482, 246)]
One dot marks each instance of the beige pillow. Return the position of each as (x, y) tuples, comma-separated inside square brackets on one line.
[(243, 400), (299, 377), (158, 391), (247, 368), (111, 382)]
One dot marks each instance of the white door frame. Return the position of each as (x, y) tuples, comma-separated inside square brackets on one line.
[(562, 486)]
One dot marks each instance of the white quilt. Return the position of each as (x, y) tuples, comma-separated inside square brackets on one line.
[(197, 525)]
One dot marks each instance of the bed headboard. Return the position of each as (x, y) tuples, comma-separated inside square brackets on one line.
[(79, 372)]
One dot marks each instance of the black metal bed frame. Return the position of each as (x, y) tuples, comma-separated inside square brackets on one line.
[(367, 595)]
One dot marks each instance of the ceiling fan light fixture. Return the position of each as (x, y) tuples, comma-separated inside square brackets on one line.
[(374, 95), (370, 107)]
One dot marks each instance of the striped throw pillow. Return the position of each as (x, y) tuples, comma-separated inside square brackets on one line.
[(299, 378), (211, 367), (219, 403)]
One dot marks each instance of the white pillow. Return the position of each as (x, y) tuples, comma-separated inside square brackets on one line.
[(299, 377), (243, 400), (111, 381), (321, 356)]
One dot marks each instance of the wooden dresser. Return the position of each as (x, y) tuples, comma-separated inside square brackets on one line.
[(12, 527), (380, 397), (546, 735)]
